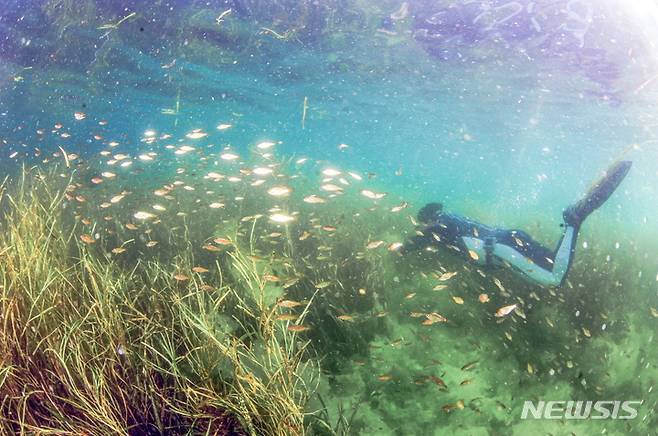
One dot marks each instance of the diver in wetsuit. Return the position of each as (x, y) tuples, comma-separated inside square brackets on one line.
[(515, 249)]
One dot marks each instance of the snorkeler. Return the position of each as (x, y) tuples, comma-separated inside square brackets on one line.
[(515, 249)]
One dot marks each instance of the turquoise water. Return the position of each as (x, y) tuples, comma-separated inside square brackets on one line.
[(506, 133)]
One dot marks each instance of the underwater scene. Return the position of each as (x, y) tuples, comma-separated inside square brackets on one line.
[(328, 217)]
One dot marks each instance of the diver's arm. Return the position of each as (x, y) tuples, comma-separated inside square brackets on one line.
[(415, 243), (419, 241)]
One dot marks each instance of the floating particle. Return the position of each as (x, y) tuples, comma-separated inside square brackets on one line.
[(505, 310)]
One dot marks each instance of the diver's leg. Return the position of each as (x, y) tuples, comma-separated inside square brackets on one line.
[(564, 254), (601, 190), (534, 261), (524, 266)]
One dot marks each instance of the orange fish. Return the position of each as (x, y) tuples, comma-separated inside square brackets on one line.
[(437, 381), (286, 317), (288, 304), (87, 239)]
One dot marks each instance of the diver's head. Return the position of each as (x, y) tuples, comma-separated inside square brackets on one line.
[(429, 212)]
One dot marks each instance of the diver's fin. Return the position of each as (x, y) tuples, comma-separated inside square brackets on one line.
[(598, 194)]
